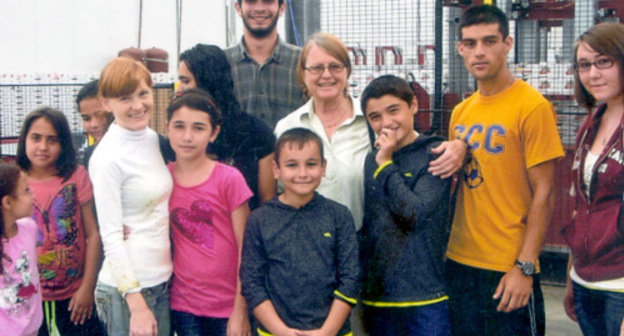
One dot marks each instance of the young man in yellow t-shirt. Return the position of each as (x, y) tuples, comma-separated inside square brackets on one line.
[(505, 199)]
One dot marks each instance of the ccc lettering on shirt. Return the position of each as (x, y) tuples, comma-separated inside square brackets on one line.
[(479, 136)]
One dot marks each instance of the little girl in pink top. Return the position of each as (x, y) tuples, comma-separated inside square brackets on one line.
[(208, 213), (20, 293)]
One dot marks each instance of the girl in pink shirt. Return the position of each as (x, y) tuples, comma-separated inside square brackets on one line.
[(68, 242), (208, 213), (20, 293)]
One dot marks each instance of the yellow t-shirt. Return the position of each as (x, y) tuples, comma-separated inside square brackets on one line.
[(508, 133)]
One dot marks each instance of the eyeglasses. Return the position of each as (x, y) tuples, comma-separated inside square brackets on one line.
[(601, 63), (334, 68)]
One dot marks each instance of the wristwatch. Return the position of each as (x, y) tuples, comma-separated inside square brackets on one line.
[(527, 268)]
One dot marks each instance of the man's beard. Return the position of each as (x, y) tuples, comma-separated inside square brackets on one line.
[(261, 32)]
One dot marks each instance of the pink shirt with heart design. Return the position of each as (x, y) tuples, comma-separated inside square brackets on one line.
[(205, 255)]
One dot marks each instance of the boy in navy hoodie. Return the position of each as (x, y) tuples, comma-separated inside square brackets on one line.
[(299, 269), (405, 232)]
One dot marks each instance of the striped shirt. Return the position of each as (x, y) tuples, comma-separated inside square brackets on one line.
[(269, 91)]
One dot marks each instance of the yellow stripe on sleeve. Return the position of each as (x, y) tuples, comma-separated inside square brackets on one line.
[(382, 167), (404, 304), (344, 297), (264, 333)]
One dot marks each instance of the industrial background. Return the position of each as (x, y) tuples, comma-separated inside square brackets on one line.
[(408, 38)]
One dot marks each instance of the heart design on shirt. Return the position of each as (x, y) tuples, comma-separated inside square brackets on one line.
[(26, 291), (195, 224)]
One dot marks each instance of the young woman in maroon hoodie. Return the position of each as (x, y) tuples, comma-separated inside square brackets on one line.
[(595, 288)]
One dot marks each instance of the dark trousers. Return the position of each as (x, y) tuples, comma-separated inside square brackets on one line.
[(473, 310), (429, 320), (57, 313), (599, 313), (187, 324)]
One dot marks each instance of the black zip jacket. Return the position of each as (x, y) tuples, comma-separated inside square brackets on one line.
[(405, 230), (301, 260)]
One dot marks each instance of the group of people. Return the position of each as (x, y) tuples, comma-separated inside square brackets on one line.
[(188, 233)]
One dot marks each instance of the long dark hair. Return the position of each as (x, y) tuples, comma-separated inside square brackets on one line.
[(67, 161), (9, 176), (212, 73)]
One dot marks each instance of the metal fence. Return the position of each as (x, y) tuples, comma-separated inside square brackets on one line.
[(414, 39), (18, 99), (417, 40)]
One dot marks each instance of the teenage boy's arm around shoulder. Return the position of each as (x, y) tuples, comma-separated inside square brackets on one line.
[(81, 303), (238, 323), (515, 288), (253, 265), (452, 157), (414, 204)]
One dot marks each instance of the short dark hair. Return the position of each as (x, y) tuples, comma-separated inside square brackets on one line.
[(196, 99), (89, 90), (299, 136), (483, 14), (279, 2), (67, 161), (387, 85), (606, 39)]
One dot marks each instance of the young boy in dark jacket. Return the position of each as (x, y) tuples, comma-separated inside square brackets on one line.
[(404, 236), (299, 269)]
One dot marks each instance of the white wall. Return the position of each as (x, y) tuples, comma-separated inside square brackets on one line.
[(80, 36)]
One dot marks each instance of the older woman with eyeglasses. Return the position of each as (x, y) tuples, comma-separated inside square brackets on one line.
[(323, 71), (595, 289)]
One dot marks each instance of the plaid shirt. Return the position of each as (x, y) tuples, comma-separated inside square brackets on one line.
[(269, 91)]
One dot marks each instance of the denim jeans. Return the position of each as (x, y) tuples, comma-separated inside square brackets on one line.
[(429, 320), (114, 313), (598, 312), (187, 324)]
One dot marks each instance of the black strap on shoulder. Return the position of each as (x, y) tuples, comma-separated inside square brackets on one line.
[(166, 151)]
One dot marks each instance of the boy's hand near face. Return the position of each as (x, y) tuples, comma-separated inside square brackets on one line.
[(386, 143)]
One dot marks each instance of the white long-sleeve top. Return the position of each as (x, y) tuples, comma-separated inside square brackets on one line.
[(131, 186)]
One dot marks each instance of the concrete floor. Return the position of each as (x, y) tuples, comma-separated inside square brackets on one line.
[(557, 322)]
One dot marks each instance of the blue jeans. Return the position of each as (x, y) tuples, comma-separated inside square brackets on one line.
[(187, 324), (598, 312), (429, 320), (114, 313)]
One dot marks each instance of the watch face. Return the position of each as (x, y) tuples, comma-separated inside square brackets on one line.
[(527, 268)]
